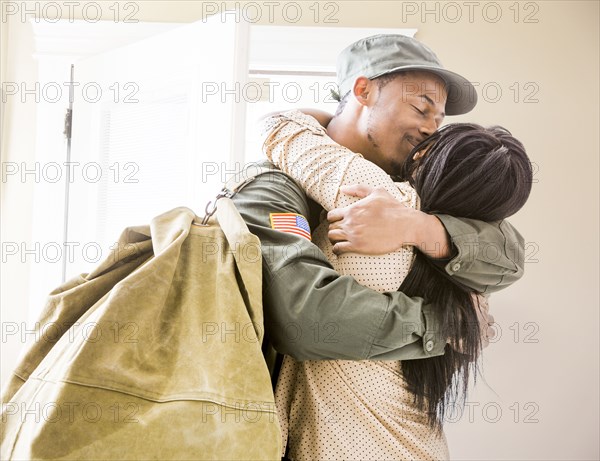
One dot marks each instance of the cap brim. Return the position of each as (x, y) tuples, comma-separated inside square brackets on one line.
[(462, 97)]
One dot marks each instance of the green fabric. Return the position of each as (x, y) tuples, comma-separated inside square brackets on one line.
[(173, 368), (312, 313), (382, 54), (490, 256)]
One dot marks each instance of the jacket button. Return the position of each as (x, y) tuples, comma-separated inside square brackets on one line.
[(429, 346), (456, 267)]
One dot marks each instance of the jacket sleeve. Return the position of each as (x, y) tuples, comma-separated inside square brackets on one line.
[(312, 312), (487, 256)]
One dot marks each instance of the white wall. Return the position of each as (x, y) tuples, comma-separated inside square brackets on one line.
[(553, 383), (17, 145)]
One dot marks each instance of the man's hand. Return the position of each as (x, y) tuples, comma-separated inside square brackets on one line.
[(487, 331), (486, 320), (380, 224)]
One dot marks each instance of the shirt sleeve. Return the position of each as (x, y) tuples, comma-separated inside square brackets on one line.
[(312, 312), (487, 256), (300, 147)]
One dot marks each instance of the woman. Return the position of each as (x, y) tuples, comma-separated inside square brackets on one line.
[(393, 410)]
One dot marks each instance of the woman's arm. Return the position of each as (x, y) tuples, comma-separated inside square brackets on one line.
[(300, 147)]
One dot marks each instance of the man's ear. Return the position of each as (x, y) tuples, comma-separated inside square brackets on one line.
[(363, 90)]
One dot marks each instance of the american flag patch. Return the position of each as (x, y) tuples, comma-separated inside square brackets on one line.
[(290, 222)]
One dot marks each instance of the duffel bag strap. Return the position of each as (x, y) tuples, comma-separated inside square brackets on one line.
[(232, 187)]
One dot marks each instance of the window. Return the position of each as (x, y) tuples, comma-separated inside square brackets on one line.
[(170, 126)]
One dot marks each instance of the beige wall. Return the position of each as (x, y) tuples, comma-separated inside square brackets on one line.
[(552, 383)]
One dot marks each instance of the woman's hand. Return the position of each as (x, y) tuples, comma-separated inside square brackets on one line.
[(322, 117), (380, 224)]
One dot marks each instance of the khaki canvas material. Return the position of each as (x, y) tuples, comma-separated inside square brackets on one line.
[(155, 354)]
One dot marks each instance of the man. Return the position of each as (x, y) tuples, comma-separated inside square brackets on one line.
[(311, 312), (385, 128)]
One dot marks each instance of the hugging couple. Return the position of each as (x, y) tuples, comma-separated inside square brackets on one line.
[(402, 209)]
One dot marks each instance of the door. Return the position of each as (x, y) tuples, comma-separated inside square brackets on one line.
[(157, 125)]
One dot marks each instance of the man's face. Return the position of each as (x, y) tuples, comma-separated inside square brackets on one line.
[(406, 110)]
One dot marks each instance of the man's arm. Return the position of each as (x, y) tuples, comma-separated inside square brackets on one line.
[(485, 257), (311, 312)]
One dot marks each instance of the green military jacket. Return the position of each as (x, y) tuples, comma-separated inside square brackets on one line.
[(312, 312)]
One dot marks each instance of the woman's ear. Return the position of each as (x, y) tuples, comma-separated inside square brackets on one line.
[(422, 152), (419, 154)]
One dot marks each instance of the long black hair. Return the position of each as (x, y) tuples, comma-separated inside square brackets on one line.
[(471, 172)]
